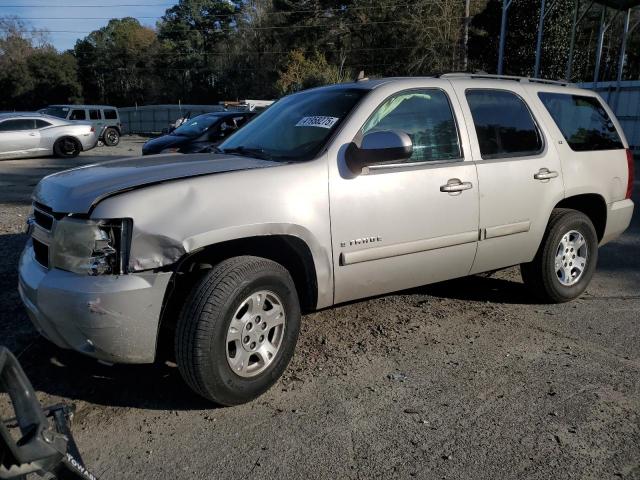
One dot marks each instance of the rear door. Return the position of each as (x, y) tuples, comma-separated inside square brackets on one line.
[(411, 223), (78, 114), (95, 117), (18, 138), (519, 172)]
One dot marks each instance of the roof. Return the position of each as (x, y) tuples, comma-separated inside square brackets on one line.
[(367, 84), (21, 114), (82, 106)]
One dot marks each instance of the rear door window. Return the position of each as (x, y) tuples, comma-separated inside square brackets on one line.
[(78, 115), (95, 115), (583, 121), (42, 124), (504, 125)]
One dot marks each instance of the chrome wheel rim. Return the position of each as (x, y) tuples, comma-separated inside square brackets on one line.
[(112, 137), (571, 258), (255, 334)]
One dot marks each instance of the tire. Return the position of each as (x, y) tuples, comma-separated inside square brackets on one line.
[(67, 147), (204, 351), (553, 285), (111, 137)]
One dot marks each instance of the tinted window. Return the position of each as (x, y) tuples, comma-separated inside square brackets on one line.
[(42, 124), (196, 126), (60, 112), (94, 115), (504, 125), (78, 115), (424, 115), (110, 114), (14, 125), (583, 121)]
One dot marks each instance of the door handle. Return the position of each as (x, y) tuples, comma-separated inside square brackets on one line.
[(32, 134), (455, 185), (545, 174)]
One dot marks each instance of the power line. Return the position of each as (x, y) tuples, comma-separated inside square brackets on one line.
[(195, 30), (90, 6)]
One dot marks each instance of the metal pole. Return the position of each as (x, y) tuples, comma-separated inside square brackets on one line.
[(574, 26), (623, 48), (596, 71), (536, 69), (465, 61), (503, 33)]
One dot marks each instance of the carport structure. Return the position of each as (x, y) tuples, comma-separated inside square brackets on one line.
[(606, 20)]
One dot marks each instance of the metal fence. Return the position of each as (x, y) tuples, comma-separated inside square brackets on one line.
[(624, 100), (151, 119)]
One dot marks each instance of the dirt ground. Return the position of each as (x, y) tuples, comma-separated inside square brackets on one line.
[(467, 379)]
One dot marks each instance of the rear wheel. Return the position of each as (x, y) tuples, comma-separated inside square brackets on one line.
[(111, 137), (566, 259), (67, 148), (238, 329)]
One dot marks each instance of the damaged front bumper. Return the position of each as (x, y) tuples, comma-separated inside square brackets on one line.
[(114, 318)]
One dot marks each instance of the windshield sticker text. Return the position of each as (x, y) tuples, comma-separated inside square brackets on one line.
[(317, 121)]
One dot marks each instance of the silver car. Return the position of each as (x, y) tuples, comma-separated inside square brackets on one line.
[(36, 135), (331, 195)]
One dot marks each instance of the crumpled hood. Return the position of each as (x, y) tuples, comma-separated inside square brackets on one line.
[(79, 189)]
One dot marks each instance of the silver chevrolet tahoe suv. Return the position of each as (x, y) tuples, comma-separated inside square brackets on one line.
[(332, 194)]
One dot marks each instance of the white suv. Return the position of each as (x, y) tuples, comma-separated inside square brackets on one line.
[(330, 195)]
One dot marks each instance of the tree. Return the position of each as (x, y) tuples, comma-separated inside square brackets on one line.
[(32, 73), (301, 72), (117, 63)]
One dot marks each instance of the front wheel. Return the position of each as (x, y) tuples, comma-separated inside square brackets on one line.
[(238, 330), (566, 259)]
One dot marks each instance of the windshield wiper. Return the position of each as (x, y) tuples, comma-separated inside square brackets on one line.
[(246, 151)]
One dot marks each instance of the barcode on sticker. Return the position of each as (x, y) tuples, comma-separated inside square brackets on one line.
[(317, 121)]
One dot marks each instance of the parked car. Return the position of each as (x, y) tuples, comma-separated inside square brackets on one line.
[(35, 135), (198, 134), (331, 195), (105, 119)]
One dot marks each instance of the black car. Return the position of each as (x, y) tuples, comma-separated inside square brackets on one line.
[(199, 134)]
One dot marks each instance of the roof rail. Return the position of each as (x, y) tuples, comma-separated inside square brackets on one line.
[(503, 77)]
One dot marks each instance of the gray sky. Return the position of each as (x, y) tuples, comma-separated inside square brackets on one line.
[(69, 20)]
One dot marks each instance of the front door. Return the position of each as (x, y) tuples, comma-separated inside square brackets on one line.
[(519, 172), (412, 223), (18, 138)]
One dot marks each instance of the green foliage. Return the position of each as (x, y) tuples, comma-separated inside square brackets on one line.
[(32, 73), (303, 72), (204, 51), (116, 61)]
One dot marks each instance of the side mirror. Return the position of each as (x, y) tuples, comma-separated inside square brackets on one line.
[(379, 147)]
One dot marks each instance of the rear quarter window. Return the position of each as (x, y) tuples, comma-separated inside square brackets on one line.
[(583, 121), (110, 114)]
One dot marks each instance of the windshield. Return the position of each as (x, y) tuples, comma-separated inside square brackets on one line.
[(60, 112), (296, 127), (196, 126)]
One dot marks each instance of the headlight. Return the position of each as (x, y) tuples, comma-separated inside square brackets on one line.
[(91, 247), (170, 150)]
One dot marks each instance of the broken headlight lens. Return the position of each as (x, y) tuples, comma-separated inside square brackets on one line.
[(91, 247)]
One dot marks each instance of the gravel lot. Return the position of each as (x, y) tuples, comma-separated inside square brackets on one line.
[(464, 379)]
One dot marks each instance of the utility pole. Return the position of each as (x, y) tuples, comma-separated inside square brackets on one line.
[(465, 61), (503, 33)]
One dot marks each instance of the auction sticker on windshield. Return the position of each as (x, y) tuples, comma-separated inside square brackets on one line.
[(317, 121)]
